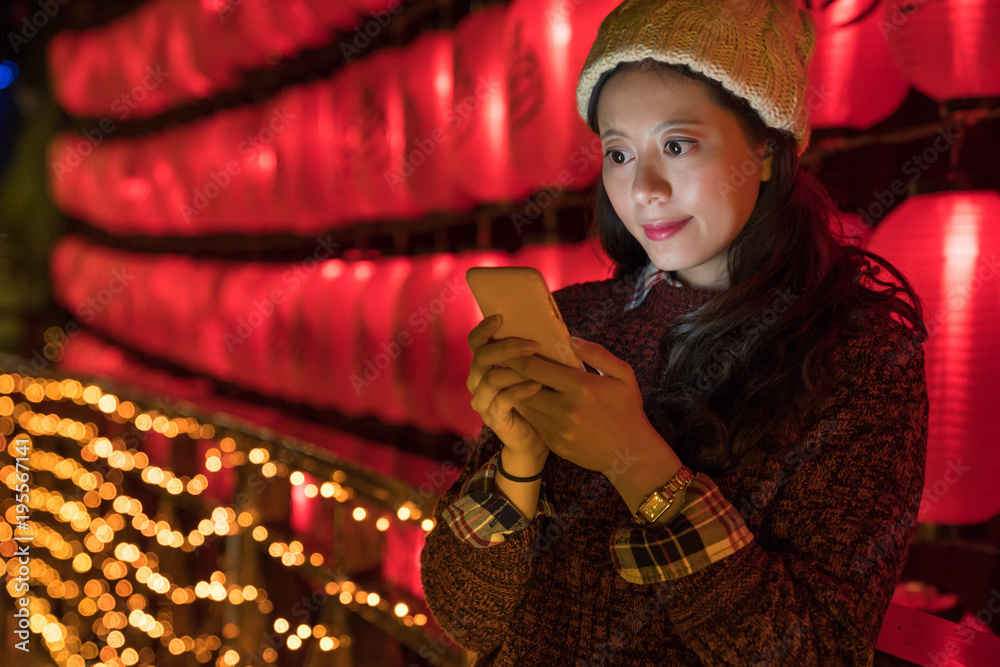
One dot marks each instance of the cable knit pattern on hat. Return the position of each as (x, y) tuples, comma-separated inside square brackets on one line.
[(757, 49)]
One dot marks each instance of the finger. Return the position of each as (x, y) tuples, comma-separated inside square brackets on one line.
[(493, 354), (549, 373), (507, 400), (545, 402), (493, 382), (481, 333), (599, 358)]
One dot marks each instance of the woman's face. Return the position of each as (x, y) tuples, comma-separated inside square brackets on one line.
[(679, 172)]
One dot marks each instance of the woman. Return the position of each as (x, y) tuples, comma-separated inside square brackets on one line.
[(739, 483)]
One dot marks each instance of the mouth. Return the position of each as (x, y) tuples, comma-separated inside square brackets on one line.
[(663, 230)]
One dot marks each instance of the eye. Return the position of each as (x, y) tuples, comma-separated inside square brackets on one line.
[(679, 147), (616, 156)]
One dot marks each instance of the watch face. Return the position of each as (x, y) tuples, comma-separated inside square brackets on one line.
[(654, 506)]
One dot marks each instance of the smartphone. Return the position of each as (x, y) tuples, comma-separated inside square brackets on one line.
[(520, 295)]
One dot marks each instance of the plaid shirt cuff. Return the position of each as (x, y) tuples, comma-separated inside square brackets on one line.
[(483, 517), (707, 530)]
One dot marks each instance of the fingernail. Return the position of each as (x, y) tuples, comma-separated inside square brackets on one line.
[(577, 342)]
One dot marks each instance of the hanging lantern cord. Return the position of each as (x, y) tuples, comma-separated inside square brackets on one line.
[(955, 176), (959, 119)]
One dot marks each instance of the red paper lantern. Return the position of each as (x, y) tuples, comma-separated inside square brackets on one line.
[(218, 45), (91, 183), (348, 126), (339, 325), (166, 318), (547, 42), (333, 15), (428, 88), (481, 166), (852, 79), (129, 184), (946, 244), (315, 165), (68, 68), (378, 344), (947, 49), (424, 296), (163, 158), (210, 345), (201, 151), (273, 307), (250, 195), (320, 316), (185, 31), (383, 136), (244, 351)]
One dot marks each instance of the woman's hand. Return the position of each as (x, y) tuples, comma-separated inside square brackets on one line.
[(597, 421), (497, 390)]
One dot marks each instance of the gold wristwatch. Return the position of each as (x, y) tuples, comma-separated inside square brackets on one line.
[(660, 500)]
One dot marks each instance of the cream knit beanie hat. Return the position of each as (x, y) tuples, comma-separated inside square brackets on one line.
[(757, 49)]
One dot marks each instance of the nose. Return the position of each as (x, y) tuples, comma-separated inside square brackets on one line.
[(650, 184)]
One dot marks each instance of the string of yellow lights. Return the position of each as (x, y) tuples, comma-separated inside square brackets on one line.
[(96, 514)]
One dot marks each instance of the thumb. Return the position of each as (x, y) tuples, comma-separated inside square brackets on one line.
[(597, 357)]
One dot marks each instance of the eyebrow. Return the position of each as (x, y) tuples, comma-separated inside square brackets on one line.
[(665, 125)]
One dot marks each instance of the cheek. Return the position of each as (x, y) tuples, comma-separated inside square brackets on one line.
[(618, 195)]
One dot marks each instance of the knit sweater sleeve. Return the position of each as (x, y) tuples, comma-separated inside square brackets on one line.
[(837, 519), (471, 591)]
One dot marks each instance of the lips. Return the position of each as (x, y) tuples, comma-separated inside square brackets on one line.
[(661, 231)]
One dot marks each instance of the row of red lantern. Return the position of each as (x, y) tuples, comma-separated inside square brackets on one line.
[(868, 54), (398, 135), (167, 53), (386, 337), (474, 115)]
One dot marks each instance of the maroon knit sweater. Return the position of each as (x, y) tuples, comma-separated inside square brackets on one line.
[(832, 510)]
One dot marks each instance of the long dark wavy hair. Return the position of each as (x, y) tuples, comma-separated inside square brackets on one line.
[(760, 353)]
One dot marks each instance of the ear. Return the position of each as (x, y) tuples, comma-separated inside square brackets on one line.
[(765, 165)]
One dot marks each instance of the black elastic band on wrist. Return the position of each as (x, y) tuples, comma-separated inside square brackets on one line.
[(514, 478)]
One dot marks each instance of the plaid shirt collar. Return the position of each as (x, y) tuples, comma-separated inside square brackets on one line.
[(649, 277)]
